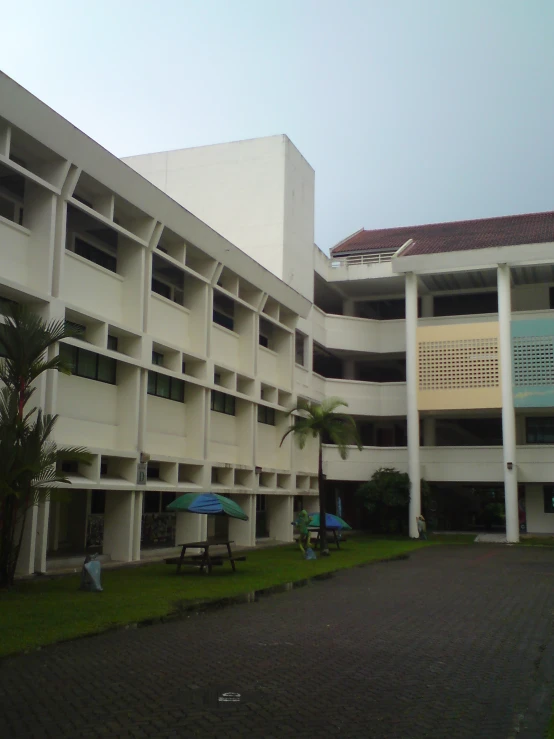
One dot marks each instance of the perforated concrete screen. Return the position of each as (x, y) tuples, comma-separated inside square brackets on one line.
[(534, 360), (458, 366)]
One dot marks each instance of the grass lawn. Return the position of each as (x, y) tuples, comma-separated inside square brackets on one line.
[(537, 541), (46, 610)]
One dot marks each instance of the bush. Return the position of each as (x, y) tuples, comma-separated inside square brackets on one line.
[(386, 496)]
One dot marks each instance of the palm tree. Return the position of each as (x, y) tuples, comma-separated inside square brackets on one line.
[(28, 456), (319, 420)]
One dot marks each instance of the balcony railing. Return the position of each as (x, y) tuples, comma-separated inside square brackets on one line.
[(356, 259)]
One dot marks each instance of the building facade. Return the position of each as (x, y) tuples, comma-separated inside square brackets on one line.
[(196, 339)]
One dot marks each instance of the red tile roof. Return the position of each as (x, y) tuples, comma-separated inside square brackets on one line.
[(532, 228)]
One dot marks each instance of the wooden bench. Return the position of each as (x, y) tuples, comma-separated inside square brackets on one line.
[(232, 560)]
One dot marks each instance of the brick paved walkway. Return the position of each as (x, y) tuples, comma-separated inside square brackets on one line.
[(455, 643)]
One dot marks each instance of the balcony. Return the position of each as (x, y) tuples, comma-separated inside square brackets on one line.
[(358, 259), (370, 398), (443, 464)]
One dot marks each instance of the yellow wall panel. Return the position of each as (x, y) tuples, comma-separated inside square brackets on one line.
[(459, 366)]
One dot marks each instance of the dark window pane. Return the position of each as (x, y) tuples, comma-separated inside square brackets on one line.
[(223, 320), (106, 369), (161, 288), (167, 498), (218, 401), (230, 405), (152, 377), (151, 502), (98, 501), (163, 385), (93, 254), (112, 343), (69, 355), (263, 341), (540, 430), (548, 494), (299, 348), (157, 358), (177, 390), (86, 364)]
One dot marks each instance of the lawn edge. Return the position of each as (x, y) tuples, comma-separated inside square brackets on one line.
[(184, 609)]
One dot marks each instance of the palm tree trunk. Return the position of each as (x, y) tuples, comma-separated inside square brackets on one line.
[(323, 546)]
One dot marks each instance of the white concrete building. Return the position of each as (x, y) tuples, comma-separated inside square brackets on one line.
[(198, 338)]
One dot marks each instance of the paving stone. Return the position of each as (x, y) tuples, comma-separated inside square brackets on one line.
[(455, 643)]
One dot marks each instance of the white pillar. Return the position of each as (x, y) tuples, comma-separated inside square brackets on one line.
[(281, 515), (349, 369), (429, 431), (427, 306), (41, 544), (137, 524), (413, 413), (508, 414), (243, 533), (119, 527), (26, 559), (189, 527)]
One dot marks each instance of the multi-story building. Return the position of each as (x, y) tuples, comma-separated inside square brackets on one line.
[(196, 339)]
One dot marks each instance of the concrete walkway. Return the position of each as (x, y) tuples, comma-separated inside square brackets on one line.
[(455, 643)]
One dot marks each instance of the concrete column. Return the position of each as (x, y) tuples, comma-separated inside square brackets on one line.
[(119, 526), (413, 413), (26, 560), (281, 515), (429, 431), (426, 306), (137, 524), (508, 414), (188, 527), (41, 544), (349, 369), (348, 307), (243, 533)]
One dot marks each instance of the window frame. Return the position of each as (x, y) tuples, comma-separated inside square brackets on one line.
[(75, 355), (220, 314), (530, 420), (266, 415), (548, 495), (226, 402), (299, 336), (108, 253), (176, 387)]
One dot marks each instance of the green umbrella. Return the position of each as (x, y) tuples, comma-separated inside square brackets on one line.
[(332, 522), (208, 503)]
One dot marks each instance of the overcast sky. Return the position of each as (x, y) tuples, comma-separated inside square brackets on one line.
[(410, 111)]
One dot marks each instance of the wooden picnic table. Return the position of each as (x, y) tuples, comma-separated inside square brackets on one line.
[(329, 531), (205, 559)]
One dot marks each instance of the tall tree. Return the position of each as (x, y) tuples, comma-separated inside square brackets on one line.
[(28, 456), (321, 421)]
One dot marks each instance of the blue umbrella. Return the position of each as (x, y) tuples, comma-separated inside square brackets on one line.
[(332, 522), (209, 503)]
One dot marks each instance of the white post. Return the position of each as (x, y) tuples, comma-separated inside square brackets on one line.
[(429, 431), (508, 414), (413, 413)]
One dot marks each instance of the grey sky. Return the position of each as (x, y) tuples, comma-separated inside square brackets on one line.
[(410, 111)]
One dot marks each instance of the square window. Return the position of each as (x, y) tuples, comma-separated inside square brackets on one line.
[(548, 495), (86, 364), (163, 386), (152, 376), (106, 369), (177, 390)]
